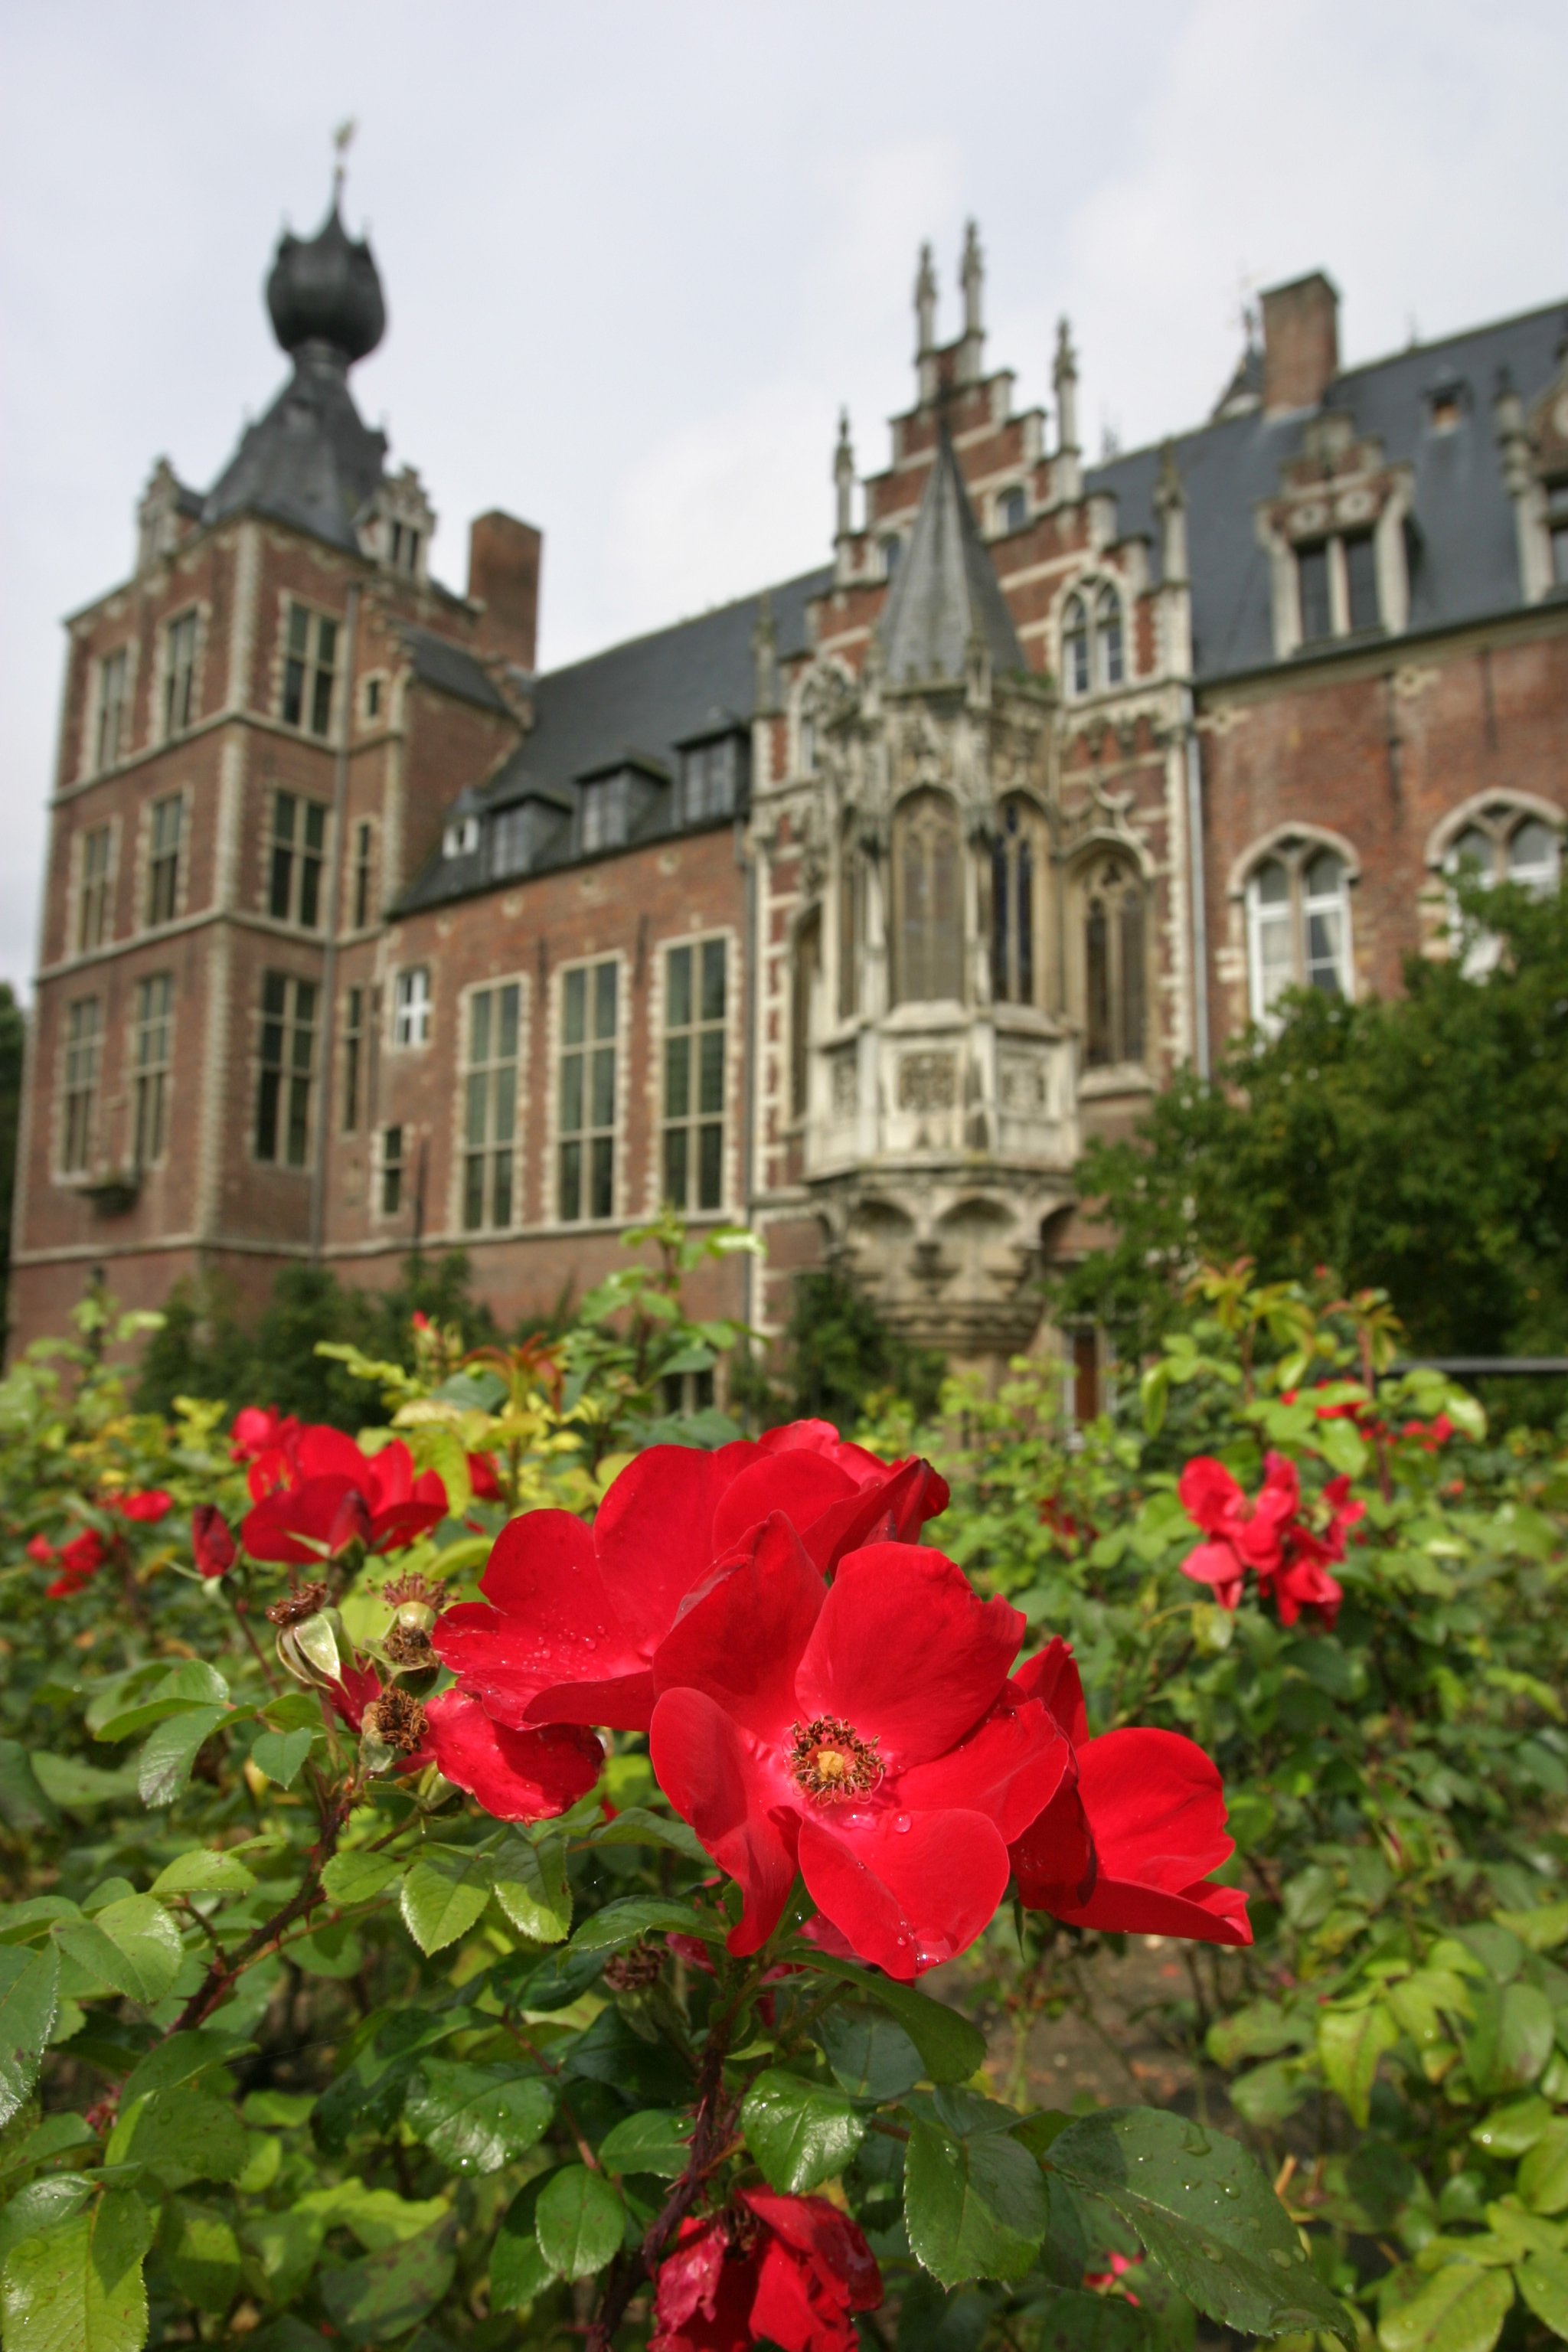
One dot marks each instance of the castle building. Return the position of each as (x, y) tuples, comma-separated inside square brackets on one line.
[(848, 910)]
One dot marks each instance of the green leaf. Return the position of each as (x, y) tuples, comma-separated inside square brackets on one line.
[(1461, 2309), (25, 1804), (532, 1889), (476, 2118), (379, 2218), (657, 2140), (331, 1951), (194, 1684), (386, 2293), (163, 1767), (282, 1754), (637, 1826), (1544, 2282), (1538, 1931), (951, 2048), (445, 1892), (185, 2134), (1511, 2041), (871, 2055), (1350, 2043), (1205, 2213), (201, 2254), (204, 1872), (351, 1878), (279, 2252), (1509, 2131), (634, 1915), (799, 2133), (80, 1787), (973, 2207), (518, 2268), (558, 1980), (44, 2205), (179, 2060), (81, 2289), (132, 1945), (580, 2221), (29, 1998), (1543, 2173)]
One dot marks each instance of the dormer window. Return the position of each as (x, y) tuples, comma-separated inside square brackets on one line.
[(461, 838), (405, 542), (1012, 510), (711, 778), (604, 813), (1336, 581), (1313, 586)]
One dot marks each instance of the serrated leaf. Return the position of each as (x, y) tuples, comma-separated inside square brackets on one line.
[(279, 2252), (476, 2118), (181, 2059), (1206, 2214), (637, 1826), (800, 2133), (194, 1684), (80, 2288), (79, 1787), (44, 2205), (1540, 1931), (132, 1945), (518, 2268), (952, 2049), (871, 2055), (531, 1887), (1511, 2039), (282, 1754), (383, 2295), (1461, 2309), (379, 2218), (634, 1915), (25, 1804), (444, 1894), (1350, 2043), (204, 1872), (1544, 2174), (201, 2252), (658, 2141), (973, 2207), (1544, 2282), (351, 1878), (184, 2133), (580, 2221), (164, 1766), (29, 2002)]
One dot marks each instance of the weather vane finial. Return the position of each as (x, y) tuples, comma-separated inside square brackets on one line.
[(342, 140)]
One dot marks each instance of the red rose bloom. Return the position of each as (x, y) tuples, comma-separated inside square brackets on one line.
[(787, 2269), (516, 1776), (211, 1541), (1242, 1535), (1128, 1847), (264, 1437), (148, 1509), (79, 1562), (577, 1615), (331, 1495), (860, 1731)]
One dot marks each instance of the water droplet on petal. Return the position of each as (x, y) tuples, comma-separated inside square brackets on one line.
[(901, 1824)]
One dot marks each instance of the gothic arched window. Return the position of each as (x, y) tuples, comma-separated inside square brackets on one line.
[(1115, 989), (928, 908), (1015, 863), (1501, 843), (1075, 646), (1109, 664), (1298, 925)]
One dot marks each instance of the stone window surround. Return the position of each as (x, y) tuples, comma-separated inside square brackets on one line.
[(1086, 587), (552, 1220), (74, 950), (133, 1070), (409, 1135), (157, 732), (1295, 844), (523, 982), (1378, 504), (395, 1008), (142, 876), (92, 703), (74, 1179), (734, 993), (1108, 841), (286, 598), (257, 1018), (1477, 809)]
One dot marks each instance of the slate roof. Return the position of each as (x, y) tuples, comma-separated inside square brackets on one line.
[(310, 461), (438, 661), (1464, 558), (945, 591), (636, 702)]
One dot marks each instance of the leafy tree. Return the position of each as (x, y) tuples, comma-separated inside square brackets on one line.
[(1418, 1145)]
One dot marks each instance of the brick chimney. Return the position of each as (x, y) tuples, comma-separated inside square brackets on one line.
[(503, 575), (1300, 343)]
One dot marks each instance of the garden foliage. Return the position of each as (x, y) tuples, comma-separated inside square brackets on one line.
[(538, 1870)]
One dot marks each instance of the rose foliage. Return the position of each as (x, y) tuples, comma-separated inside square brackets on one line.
[(534, 1874)]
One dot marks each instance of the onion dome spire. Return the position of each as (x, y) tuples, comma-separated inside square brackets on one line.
[(327, 290)]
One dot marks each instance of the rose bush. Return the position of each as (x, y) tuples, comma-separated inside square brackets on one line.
[(555, 1884)]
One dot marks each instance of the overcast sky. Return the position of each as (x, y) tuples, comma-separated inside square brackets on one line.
[(637, 256)]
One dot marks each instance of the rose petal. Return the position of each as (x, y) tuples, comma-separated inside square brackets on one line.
[(516, 1776), (907, 1897), (905, 1651), (1009, 1770), (1051, 1675), (712, 1775), (742, 1641)]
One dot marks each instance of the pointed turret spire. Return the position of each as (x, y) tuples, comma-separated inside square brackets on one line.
[(925, 327), (1064, 376), (946, 600), (844, 477), (972, 278)]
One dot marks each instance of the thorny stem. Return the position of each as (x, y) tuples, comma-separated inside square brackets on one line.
[(709, 2147)]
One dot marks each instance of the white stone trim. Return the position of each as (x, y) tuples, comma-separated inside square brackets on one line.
[(1273, 842), (552, 1220), (1477, 809), (523, 982), (734, 992)]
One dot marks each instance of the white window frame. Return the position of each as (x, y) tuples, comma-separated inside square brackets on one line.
[(461, 1149), (1295, 847), (297, 847), (78, 943), (411, 1003), (92, 1045), (171, 727), (617, 1129), (110, 665), (311, 667), (152, 1030), (694, 1119), (181, 799), (1499, 816)]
